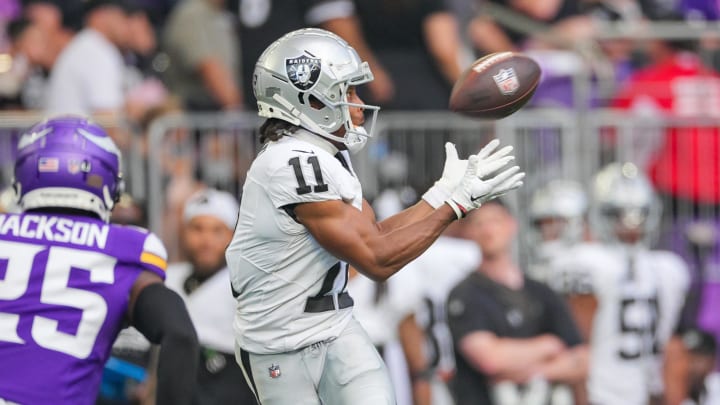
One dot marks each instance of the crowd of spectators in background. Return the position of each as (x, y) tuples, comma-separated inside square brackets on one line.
[(137, 60), (204, 50)]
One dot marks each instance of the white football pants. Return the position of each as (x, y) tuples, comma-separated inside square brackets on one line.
[(343, 371)]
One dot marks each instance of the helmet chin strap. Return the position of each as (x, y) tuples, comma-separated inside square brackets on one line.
[(354, 139)]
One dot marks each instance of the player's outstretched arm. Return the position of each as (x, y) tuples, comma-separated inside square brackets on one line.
[(414, 213), (354, 236), (379, 252), (160, 315)]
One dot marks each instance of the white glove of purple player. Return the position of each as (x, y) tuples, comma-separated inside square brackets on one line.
[(473, 190), (455, 168)]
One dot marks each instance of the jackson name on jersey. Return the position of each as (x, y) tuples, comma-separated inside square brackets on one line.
[(64, 288)]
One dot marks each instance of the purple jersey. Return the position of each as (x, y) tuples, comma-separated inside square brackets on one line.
[(64, 290)]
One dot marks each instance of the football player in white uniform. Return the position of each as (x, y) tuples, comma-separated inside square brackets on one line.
[(629, 296), (449, 260), (557, 215), (303, 220)]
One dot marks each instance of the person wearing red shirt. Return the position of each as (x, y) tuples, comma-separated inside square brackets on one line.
[(686, 165)]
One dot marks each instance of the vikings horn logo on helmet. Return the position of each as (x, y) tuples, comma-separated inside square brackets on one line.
[(303, 71)]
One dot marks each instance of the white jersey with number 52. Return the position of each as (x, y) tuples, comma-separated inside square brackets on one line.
[(275, 263)]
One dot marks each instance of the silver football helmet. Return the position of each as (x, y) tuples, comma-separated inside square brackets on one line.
[(564, 200), (308, 66), (623, 202), (557, 218)]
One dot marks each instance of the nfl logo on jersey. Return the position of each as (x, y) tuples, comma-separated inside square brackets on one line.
[(274, 371)]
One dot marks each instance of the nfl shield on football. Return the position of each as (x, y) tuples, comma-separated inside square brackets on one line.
[(495, 86)]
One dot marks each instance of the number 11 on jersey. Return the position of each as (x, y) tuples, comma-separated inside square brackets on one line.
[(303, 187)]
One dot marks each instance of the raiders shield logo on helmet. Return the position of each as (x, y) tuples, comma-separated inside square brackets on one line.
[(507, 81), (303, 71)]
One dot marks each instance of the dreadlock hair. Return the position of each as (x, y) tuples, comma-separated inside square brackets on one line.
[(273, 129)]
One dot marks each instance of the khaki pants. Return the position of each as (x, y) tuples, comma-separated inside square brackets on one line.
[(344, 371)]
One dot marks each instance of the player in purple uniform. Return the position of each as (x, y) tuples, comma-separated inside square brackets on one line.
[(69, 281)]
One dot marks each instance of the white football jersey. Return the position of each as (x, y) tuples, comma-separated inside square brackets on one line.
[(381, 316), (640, 294), (440, 268), (211, 306), (275, 263)]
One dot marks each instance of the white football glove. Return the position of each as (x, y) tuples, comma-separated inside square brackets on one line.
[(508, 180), (452, 174), (473, 191), (454, 170)]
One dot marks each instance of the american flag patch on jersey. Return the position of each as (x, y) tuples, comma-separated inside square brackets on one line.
[(47, 164)]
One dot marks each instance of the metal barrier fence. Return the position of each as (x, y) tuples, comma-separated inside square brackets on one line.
[(218, 149), (549, 144)]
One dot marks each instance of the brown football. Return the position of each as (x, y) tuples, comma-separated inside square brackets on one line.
[(495, 85)]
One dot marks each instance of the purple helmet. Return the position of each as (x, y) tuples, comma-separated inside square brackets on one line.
[(68, 162)]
